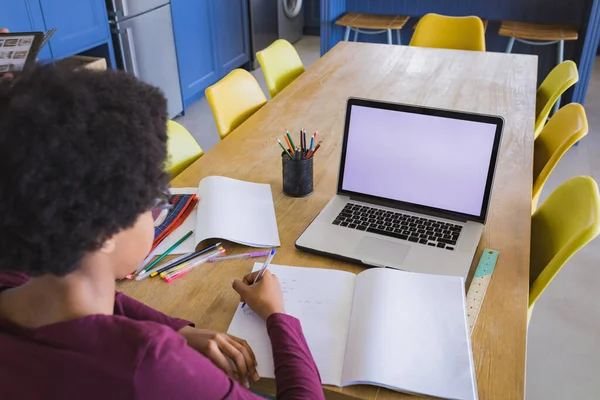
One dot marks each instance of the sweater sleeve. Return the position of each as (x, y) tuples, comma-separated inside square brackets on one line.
[(128, 307), (170, 369), (296, 373), (10, 280)]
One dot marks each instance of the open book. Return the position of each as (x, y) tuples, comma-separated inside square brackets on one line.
[(238, 211), (400, 330)]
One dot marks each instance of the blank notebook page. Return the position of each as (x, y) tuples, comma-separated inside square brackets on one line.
[(408, 331), (321, 300), (238, 211)]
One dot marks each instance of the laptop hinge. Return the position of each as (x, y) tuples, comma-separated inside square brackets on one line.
[(410, 207)]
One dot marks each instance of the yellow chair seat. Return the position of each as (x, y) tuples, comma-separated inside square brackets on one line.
[(564, 223), (564, 129), (458, 33), (281, 65), (561, 78), (182, 149), (234, 99)]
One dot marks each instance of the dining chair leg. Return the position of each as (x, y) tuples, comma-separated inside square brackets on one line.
[(347, 34), (559, 59), (509, 46), (399, 37), (389, 35), (561, 52), (356, 34)]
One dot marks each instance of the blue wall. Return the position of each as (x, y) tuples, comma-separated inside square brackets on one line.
[(572, 12)]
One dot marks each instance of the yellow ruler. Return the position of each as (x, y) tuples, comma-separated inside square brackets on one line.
[(479, 284)]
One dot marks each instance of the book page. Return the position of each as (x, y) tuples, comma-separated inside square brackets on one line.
[(238, 211), (321, 299), (408, 332)]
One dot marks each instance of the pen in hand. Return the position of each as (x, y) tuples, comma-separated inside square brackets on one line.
[(262, 270)]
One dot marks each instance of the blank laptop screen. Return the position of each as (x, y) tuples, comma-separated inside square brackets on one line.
[(421, 159)]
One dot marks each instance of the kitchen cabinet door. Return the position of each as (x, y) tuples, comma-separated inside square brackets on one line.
[(231, 26), (24, 16), (82, 24), (195, 42)]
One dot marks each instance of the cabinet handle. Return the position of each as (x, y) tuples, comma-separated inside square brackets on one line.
[(120, 7), (128, 51)]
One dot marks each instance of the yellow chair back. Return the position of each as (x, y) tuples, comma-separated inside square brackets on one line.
[(564, 129), (182, 149), (234, 99), (564, 223), (442, 32), (281, 65), (561, 78)]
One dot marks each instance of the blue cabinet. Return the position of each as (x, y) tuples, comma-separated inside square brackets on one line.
[(24, 16), (196, 47), (81, 24), (231, 23), (211, 37)]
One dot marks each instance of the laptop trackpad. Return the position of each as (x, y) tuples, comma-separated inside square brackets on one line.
[(381, 252)]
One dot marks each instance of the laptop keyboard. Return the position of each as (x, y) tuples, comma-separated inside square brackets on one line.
[(400, 226)]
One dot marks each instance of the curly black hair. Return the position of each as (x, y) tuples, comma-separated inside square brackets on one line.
[(82, 157)]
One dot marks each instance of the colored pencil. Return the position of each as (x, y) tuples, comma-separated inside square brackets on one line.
[(292, 144), (169, 250), (238, 256), (178, 273), (199, 260), (181, 260), (312, 152), (284, 149)]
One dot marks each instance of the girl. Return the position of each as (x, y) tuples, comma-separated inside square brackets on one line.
[(82, 156)]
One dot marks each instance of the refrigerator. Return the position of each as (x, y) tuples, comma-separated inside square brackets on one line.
[(142, 32)]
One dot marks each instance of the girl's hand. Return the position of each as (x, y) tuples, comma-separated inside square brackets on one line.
[(229, 353), (264, 296)]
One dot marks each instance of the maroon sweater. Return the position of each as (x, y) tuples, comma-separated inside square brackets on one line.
[(136, 354)]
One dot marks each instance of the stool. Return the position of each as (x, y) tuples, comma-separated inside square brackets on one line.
[(539, 35), (373, 23), (484, 20)]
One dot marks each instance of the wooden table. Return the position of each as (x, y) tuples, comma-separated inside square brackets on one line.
[(494, 83)]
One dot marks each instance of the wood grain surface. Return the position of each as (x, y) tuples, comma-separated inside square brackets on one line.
[(530, 31), (492, 83), (372, 21)]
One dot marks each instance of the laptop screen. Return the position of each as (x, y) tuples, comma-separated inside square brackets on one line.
[(427, 160)]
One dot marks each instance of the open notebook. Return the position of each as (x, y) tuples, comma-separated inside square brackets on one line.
[(400, 330), (230, 209)]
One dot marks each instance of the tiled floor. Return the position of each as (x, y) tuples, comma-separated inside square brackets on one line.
[(563, 359)]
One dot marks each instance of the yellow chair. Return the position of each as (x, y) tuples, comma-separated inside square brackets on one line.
[(561, 78), (182, 149), (234, 99), (442, 32), (564, 223), (564, 129), (281, 65)]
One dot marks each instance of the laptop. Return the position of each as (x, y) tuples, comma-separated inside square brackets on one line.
[(413, 188)]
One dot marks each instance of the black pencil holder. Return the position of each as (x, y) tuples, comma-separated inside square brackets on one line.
[(297, 176)]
